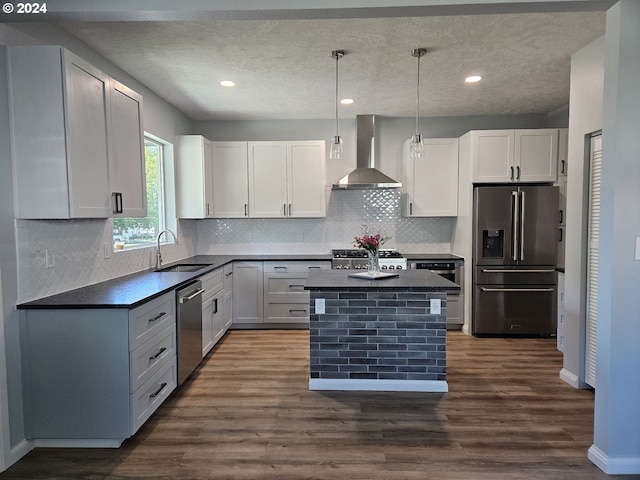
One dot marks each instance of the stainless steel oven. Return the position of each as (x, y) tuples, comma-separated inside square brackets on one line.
[(452, 270)]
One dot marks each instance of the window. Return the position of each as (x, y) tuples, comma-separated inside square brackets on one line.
[(129, 233)]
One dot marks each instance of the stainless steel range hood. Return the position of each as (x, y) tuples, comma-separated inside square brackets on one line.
[(365, 176)]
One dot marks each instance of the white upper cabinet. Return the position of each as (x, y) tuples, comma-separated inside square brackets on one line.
[(267, 179), (306, 179), (287, 179), (430, 183), (500, 156), (63, 141), (230, 179), (195, 177), (59, 107), (127, 174)]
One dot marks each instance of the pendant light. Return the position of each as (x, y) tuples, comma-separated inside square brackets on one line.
[(416, 148), (337, 147)]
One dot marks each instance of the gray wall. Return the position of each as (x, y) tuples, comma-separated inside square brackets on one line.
[(616, 447)]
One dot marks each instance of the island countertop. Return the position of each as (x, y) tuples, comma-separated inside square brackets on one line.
[(407, 280)]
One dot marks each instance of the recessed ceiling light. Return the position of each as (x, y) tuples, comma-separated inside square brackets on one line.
[(473, 79), (228, 83), (346, 101)]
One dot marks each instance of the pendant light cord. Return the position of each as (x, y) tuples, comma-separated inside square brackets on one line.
[(337, 59), (418, 96)]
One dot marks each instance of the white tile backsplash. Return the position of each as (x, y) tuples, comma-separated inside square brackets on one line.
[(77, 246), (347, 211)]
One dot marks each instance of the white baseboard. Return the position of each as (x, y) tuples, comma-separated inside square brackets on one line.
[(570, 378), (378, 385), (614, 466)]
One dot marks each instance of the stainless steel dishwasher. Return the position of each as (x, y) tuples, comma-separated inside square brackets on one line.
[(189, 307)]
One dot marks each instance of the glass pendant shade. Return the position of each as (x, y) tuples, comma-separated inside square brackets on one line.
[(416, 147), (337, 148)]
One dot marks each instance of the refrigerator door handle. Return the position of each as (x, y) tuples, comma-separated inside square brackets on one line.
[(486, 289), (522, 209), (514, 225), (506, 270)]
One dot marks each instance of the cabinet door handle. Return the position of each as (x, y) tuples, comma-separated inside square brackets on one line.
[(561, 215), (245, 210), (160, 352), (511, 176), (157, 392), (562, 166), (289, 209), (158, 317), (228, 274), (410, 208), (517, 173), (117, 200), (560, 238), (215, 306), (207, 209)]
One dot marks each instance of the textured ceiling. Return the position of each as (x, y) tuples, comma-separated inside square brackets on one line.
[(283, 68)]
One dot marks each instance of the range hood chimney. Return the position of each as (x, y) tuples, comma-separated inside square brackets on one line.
[(365, 176)]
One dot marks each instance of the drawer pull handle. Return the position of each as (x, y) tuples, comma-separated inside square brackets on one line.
[(294, 310), (312, 268), (296, 286), (162, 350), (157, 392), (158, 316), (282, 268), (228, 274)]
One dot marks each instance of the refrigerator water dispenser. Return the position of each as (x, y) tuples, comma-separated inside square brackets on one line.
[(493, 243)]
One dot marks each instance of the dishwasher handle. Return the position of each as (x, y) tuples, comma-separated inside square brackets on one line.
[(200, 291)]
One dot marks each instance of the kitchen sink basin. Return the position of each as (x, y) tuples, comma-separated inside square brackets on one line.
[(183, 267)]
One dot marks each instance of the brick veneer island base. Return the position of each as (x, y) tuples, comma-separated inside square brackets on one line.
[(378, 335)]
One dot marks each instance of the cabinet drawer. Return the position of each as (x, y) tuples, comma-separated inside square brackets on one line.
[(286, 312), (212, 283), (152, 393), (295, 266), (147, 359), (282, 285), (149, 319)]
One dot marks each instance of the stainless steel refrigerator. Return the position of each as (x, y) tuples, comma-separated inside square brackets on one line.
[(514, 259)]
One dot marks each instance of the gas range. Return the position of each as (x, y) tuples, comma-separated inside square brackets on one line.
[(355, 258)]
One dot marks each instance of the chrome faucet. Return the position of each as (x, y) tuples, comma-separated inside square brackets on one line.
[(158, 255)]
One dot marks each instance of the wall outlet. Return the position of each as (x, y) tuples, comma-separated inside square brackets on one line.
[(435, 306), (49, 260), (319, 306)]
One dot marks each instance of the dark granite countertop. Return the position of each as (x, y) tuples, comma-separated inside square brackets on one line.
[(413, 280), (132, 290)]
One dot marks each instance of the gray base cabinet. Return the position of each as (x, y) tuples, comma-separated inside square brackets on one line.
[(92, 377)]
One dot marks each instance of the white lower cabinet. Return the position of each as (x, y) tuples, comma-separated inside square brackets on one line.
[(248, 296), (227, 297), (212, 309), (92, 377), (561, 314)]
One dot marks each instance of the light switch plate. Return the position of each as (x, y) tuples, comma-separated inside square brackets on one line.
[(319, 306), (435, 306)]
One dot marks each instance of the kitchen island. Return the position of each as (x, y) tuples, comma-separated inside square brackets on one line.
[(378, 335)]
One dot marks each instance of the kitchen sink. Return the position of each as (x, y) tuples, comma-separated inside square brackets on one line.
[(183, 267)]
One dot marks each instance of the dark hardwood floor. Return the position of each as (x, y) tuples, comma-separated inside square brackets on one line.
[(247, 414)]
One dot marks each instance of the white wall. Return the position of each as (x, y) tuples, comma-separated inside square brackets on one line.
[(585, 116)]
